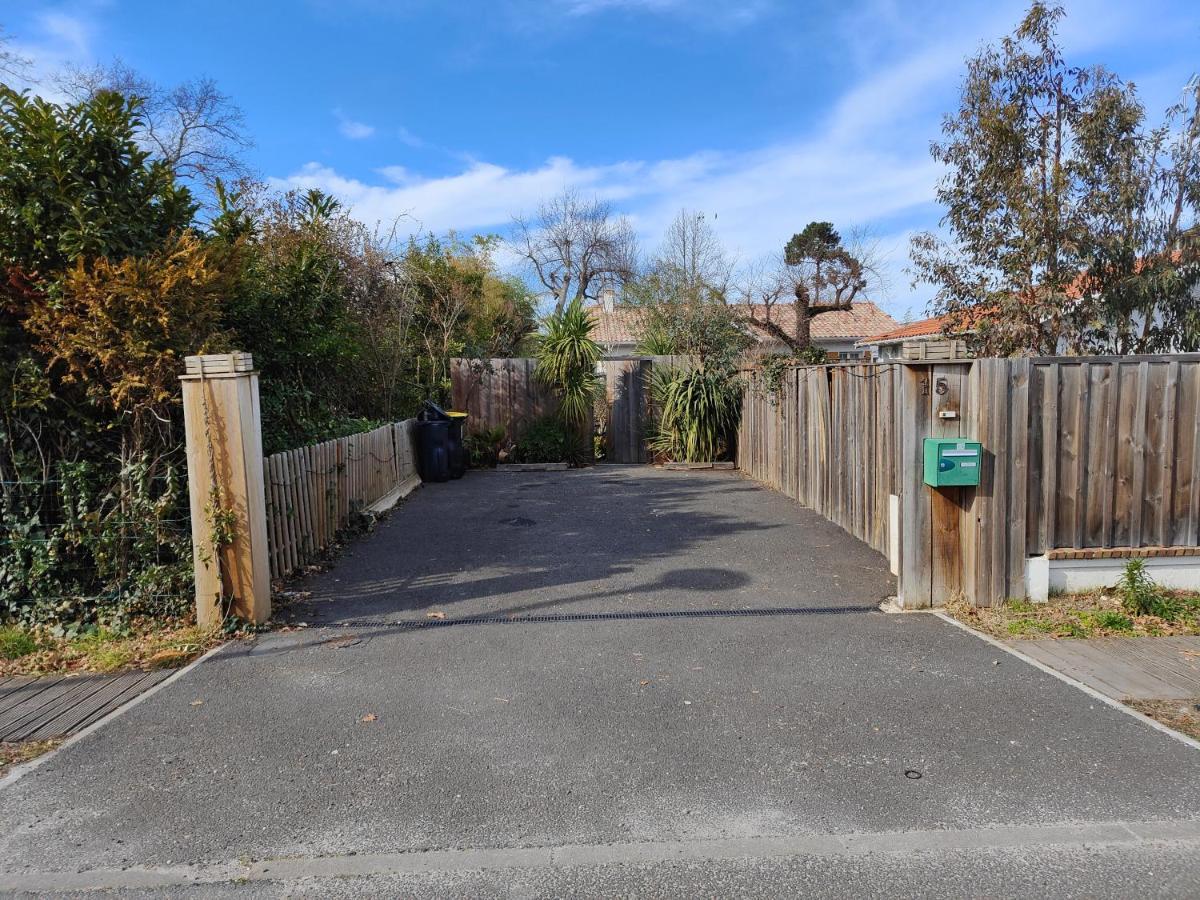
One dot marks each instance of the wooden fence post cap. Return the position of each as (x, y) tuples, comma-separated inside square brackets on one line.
[(218, 364)]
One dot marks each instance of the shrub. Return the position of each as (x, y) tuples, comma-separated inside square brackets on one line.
[(698, 413), (1112, 620), (566, 362), (483, 446), (544, 441), (1141, 596)]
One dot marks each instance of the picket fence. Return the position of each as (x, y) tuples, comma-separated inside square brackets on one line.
[(314, 492)]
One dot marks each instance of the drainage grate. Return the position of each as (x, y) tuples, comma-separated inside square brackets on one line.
[(413, 624)]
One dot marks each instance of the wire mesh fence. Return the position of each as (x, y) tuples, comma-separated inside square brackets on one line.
[(89, 545)]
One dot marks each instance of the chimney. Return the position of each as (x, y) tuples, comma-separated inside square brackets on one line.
[(608, 299)]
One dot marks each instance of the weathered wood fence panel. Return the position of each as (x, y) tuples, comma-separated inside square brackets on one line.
[(827, 437), (505, 393), (1083, 453), (499, 392), (312, 492), (1079, 453)]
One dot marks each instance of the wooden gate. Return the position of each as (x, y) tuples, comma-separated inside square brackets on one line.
[(627, 390)]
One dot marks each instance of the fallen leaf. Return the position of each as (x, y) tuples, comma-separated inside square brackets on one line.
[(435, 615), (643, 683), (197, 703), (369, 717)]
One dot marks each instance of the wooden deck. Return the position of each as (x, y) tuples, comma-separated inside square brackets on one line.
[(35, 709), (1151, 668)]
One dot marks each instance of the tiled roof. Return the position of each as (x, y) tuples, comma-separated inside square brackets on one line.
[(923, 328), (861, 319), (621, 326)]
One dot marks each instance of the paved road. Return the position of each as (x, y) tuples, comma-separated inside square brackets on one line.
[(668, 684)]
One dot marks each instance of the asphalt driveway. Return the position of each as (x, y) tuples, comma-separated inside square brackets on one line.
[(644, 682)]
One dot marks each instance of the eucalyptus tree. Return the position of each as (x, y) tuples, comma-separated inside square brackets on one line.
[(1069, 224)]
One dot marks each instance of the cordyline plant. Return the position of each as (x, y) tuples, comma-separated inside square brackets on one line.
[(566, 362), (698, 413)]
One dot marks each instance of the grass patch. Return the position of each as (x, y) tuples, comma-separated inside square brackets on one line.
[(1100, 613), (15, 753), (1181, 715), (147, 645), (15, 643)]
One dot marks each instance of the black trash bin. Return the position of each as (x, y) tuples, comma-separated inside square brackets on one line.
[(442, 432), (433, 445)]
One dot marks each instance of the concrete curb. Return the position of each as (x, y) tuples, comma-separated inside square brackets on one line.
[(1067, 679), (1082, 835), (16, 773)]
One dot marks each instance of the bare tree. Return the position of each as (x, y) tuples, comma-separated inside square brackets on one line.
[(576, 247), (694, 256), (193, 127), (11, 62)]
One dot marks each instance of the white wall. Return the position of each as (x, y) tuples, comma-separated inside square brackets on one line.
[(1043, 575)]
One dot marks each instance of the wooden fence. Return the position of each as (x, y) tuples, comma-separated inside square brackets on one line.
[(313, 492), (827, 437), (499, 392), (505, 392), (1079, 453)]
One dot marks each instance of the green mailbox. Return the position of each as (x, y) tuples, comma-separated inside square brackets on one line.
[(950, 462)]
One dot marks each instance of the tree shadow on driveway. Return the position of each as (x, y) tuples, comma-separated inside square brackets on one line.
[(633, 539)]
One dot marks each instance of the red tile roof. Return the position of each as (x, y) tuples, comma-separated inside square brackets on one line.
[(621, 326), (923, 328)]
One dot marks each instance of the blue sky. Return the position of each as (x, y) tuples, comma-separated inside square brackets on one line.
[(764, 114)]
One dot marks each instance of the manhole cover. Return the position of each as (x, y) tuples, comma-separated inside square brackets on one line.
[(518, 521)]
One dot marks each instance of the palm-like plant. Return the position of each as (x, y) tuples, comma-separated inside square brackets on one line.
[(566, 362), (699, 411)]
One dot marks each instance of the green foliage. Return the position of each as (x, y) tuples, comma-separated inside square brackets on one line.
[(818, 241), (15, 643), (85, 548), (1141, 595), (544, 441), (74, 183), (483, 446), (698, 412), (1110, 620), (1072, 221), (566, 362)]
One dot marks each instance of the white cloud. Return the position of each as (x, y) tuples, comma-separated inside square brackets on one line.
[(70, 32), (867, 164), (51, 42), (351, 129), (702, 13)]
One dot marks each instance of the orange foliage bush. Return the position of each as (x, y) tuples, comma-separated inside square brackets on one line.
[(123, 328)]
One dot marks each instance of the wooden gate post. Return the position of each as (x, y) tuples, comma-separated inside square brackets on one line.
[(225, 485)]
